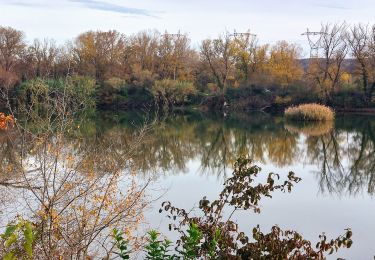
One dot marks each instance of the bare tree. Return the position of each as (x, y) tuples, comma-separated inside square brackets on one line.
[(372, 59), (218, 54), (327, 70), (44, 54), (359, 38), (11, 46)]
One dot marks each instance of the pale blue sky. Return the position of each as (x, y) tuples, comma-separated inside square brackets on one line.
[(271, 20)]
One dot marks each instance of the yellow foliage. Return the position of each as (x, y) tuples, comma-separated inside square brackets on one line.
[(213, 88), (283, 64), (283, 100), (346, 78)]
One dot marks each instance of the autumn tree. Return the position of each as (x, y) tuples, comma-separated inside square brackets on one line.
[(181, 54), (143, 50), (260, 60), (284, 65), (141, 58), (218, 54), (11, 46), (173, 51), (245, 47), (99, 53)]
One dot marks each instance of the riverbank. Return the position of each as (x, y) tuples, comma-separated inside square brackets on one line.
[(169, 95)]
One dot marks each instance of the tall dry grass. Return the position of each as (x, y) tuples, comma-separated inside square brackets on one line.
[(310, 112)]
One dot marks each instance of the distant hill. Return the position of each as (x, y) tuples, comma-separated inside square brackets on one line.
[(348, 64)]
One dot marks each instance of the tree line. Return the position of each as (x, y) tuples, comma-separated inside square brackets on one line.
[(227, 67)]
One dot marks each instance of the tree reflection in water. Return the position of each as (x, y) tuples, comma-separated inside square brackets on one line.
[(346, 156), (343, 151)]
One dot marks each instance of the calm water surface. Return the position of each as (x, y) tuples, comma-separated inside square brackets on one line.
[(191, 156)]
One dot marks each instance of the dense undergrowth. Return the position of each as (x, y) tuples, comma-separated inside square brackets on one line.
[(168, 95)]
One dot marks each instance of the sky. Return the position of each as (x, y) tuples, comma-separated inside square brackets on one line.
[(270, 20)]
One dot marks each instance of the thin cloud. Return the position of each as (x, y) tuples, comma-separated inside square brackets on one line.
[(104, 6), (21, 3), (331, 6)]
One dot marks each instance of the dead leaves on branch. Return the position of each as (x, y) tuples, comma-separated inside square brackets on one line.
[(241, 193)]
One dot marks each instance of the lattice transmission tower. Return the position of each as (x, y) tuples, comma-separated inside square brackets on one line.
[(173, 35), (246, 34), (314, 39)]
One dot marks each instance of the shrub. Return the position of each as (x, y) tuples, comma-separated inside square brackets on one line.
[(169, 93), (108, 91), (249, 98), (210, 233), (77, 91), (349, 98), (81, 91), (142, 78), (310, 112), (279, 100), (114, 83)]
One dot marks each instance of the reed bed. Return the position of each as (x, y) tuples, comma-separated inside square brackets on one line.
[(310, 112)]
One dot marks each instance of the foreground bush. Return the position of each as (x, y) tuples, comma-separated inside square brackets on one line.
[(310, 112), (207, 232), (210, 232)]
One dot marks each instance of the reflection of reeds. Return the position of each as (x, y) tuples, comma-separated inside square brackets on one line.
[(311, 128)]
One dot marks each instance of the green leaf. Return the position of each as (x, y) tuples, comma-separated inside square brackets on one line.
[(29, 238), (11, 240), (9, 256), (9, 231)]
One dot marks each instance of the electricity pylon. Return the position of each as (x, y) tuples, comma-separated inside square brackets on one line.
[(246, 34), (172, 35), (314, 39), (244, 38)]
